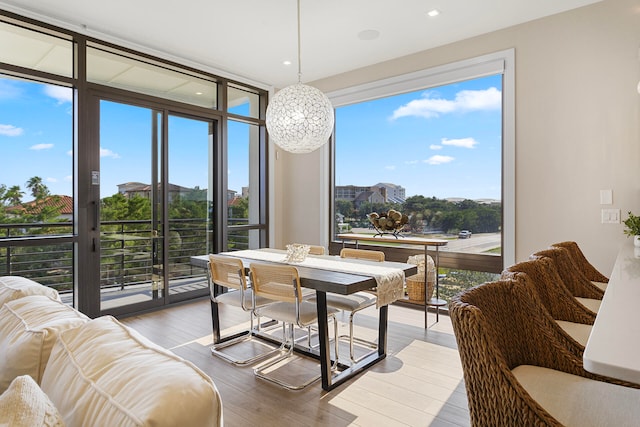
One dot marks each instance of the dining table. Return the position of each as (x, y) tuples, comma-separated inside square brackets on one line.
[(326, 273), (613, 345)]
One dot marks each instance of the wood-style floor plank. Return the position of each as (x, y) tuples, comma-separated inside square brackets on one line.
[(418, 384)]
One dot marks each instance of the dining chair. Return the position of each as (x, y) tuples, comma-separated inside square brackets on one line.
[(574, 319), (316, 250), (580, 260), (356, 302), (281, 285), (365, 254), (230, 273), (518, 371), (582, 289)]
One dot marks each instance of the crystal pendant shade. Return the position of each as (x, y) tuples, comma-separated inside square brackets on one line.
[(299, 118)]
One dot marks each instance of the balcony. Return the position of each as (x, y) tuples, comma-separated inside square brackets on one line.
[(129, 254)]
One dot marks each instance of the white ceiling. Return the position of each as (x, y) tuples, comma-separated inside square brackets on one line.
[(250, 39)]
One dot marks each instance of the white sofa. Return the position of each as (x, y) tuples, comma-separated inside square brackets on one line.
[(58, 367)]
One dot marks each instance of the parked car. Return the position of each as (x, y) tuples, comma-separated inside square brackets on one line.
[(464, 234)]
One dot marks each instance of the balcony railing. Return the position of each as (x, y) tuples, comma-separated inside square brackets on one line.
[(129, 252)]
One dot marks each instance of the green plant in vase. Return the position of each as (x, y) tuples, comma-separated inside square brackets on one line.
[(632, 228)]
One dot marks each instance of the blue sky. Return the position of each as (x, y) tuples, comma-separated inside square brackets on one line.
[(442, 142)]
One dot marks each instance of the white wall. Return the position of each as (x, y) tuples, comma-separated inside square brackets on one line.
[(577, 129)]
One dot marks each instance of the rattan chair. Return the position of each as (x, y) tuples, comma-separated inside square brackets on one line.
[(281, 285), (589, 271), (582, 289), (574, 320), (229, 272), (518, 371)]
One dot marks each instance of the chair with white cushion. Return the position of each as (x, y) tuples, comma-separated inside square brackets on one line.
[(573, 318), (580, 260), (356, 302), (229, 272), (517, 370), (281, 285), (582, 289)]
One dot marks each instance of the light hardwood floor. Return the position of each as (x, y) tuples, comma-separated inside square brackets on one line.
[(418, 384)]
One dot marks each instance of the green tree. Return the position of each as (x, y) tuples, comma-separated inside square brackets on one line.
[(38, 189), (345, 207), (14, 195)]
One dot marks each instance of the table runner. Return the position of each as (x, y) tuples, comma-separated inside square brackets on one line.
[(390, 281)]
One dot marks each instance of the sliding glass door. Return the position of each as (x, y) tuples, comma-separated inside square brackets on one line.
[(156, 181)]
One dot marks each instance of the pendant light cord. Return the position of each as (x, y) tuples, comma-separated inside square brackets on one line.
[(299, 55)]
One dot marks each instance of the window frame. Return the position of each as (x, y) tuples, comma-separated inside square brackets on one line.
[(501, 62)]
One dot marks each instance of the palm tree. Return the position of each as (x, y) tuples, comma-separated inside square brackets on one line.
[(38, 189), (14, 195)]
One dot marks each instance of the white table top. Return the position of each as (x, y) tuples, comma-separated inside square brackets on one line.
[(613, 348)]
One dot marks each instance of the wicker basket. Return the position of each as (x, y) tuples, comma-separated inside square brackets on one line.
[(415, 288)]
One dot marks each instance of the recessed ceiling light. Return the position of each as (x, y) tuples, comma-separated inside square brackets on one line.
[(434, 12), (368, 34), (286, 62), (198, 93)]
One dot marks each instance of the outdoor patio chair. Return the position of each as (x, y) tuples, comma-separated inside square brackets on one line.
[(518, 371)]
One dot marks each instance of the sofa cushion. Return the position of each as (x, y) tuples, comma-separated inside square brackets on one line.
[(14, 287), (106, 371), (28, 328), (23, 404)]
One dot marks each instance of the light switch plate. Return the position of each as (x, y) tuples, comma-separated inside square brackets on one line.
[(606, 197), (610, 216)]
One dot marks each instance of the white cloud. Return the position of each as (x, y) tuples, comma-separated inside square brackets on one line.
[(463, 142), (49, 179), (9, 90), (466, 100), (390, 168), (10, 130), (410, 162), (438, 160), (105, 152), (59, 93), (68, 178), (38, 147), (70, 153), (435, 147)]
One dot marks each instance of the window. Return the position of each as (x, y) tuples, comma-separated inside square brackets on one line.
[(127, 159), (438, 146)]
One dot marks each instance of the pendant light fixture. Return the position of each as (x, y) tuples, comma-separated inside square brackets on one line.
[(299, 117)]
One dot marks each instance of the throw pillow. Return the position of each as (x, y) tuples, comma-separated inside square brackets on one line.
[(24, 404)]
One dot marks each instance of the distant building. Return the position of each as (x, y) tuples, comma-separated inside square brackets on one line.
[(132, 189), (379, 193), (395, 193)]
